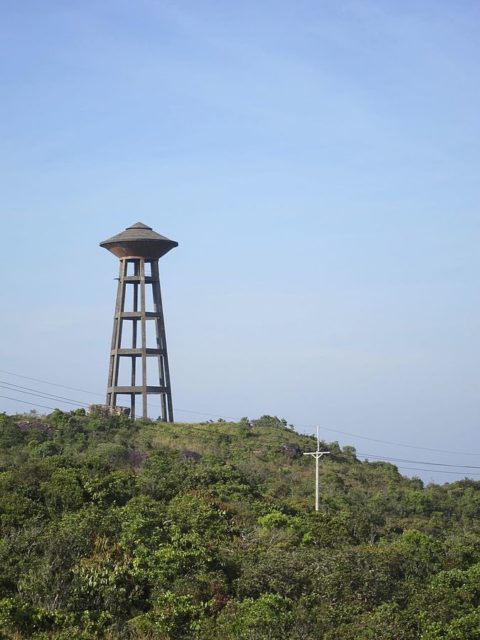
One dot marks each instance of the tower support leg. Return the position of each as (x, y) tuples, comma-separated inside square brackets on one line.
[(135, 279)]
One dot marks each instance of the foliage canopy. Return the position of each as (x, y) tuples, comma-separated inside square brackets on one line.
[(107, 530)]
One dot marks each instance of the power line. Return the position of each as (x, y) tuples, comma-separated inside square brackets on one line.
[(204, 413), (39, 394), (346, 433), (395, 444), (94, 393), (438, 464), (386, 458), (30, 404), (455, 473), (52, 384), (223, 416)]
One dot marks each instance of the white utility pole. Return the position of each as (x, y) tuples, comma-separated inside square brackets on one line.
[(317, 455)]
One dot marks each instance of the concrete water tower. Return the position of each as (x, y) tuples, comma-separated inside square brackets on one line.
[(138, 338)]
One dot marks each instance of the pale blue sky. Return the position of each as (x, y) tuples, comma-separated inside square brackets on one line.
[(317, 163)]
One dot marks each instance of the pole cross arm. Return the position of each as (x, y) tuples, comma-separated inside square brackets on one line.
[(317, 453)]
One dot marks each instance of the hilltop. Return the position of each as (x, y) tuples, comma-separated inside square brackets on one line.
[(114, 529)]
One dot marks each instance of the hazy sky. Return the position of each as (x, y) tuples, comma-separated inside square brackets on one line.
[(318, 163)]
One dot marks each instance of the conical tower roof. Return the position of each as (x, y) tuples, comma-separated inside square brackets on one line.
[(139, 241)]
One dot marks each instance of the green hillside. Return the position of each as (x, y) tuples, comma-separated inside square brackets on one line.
[(113, 529)]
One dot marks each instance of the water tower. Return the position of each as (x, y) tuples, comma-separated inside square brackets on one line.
[(138, 357)]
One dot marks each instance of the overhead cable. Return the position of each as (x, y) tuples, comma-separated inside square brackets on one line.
[(53, 384), (39, 394), (455, 473), (305, 426), (30, 404), (438, 464), (389, 442)]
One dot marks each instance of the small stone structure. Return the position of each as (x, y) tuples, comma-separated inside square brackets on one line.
[(104, 410), (191, 456), (291, 450)]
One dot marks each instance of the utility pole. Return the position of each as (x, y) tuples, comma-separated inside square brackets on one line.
[(317, 455)]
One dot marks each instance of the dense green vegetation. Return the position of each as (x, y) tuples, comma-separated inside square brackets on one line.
[(113, 529)]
